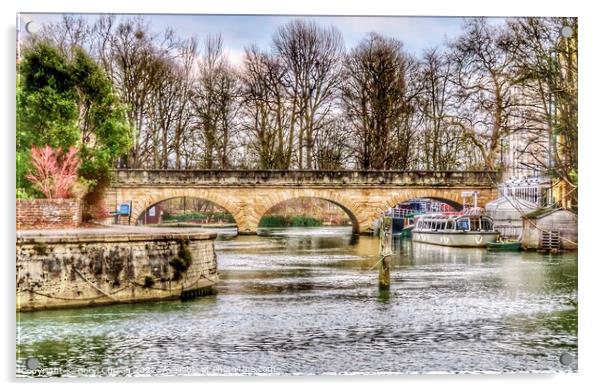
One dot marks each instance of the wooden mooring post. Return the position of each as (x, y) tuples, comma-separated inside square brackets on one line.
[(385, 247)]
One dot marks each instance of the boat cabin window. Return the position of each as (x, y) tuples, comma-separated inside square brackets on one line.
[(463, 224), (486, 224), (475, 224)]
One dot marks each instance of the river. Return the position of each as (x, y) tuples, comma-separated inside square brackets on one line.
[(306, 301)]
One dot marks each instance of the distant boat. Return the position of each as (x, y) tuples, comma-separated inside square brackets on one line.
[(408, 223), (406, 232), (507, 245), (471, 229)]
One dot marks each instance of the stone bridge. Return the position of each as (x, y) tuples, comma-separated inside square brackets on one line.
[(249, 194)]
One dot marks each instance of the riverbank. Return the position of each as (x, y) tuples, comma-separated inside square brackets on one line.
[(92, 266)]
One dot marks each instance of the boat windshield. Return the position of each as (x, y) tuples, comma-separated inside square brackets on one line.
[(463, 225), (486, 224)]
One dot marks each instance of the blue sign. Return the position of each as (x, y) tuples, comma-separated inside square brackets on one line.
[(124, 209)]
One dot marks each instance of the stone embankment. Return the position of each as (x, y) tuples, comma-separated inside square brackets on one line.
[(85, 267)]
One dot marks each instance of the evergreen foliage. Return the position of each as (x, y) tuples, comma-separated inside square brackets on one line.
[(63, 102)]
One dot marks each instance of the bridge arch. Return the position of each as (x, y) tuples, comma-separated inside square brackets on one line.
[(334, 197), (452, 197), (350, 214), (453, 203), (140, 205)]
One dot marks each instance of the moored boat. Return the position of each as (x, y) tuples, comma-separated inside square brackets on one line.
[(471, 229), (507, 245), (406, 232)]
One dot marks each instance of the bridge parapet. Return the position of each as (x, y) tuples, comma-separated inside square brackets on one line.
[(304, 178)]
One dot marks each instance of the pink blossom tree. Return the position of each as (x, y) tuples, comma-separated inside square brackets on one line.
[(54, 172)]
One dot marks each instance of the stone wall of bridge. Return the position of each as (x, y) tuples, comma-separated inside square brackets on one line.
[(249, 195)]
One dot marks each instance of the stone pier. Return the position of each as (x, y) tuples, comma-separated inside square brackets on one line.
[(85, 267)]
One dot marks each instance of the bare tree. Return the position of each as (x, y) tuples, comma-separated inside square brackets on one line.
[(374, 100), (311, 56), (487, 108), (442, 144), (266, 109), (169, 112), (69, 33), (332, 150), (215, 104), (138, 61)]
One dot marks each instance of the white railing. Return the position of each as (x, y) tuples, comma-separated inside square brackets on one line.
[(428, 207), (533, 189), (530, 193), (397, 212)]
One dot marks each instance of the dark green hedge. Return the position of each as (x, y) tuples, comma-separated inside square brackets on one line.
[(295, 221)]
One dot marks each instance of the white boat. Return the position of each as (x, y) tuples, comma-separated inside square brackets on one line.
[(471, 229)]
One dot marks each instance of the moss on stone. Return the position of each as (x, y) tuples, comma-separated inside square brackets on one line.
[(182, 261), (40, 249), (149, 281)]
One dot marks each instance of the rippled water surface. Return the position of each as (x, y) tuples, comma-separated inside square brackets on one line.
[(306, 301)]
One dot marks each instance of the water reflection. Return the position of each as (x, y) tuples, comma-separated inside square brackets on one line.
[(306, 301)]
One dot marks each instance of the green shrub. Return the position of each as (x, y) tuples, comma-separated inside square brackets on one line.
[(211, 216), (305, 221), (24, 194), (295, 221), (273, 221)]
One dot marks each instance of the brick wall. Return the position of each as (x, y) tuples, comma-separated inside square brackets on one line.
[(48, 213)]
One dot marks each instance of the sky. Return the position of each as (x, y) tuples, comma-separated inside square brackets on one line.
[(240, 31)]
